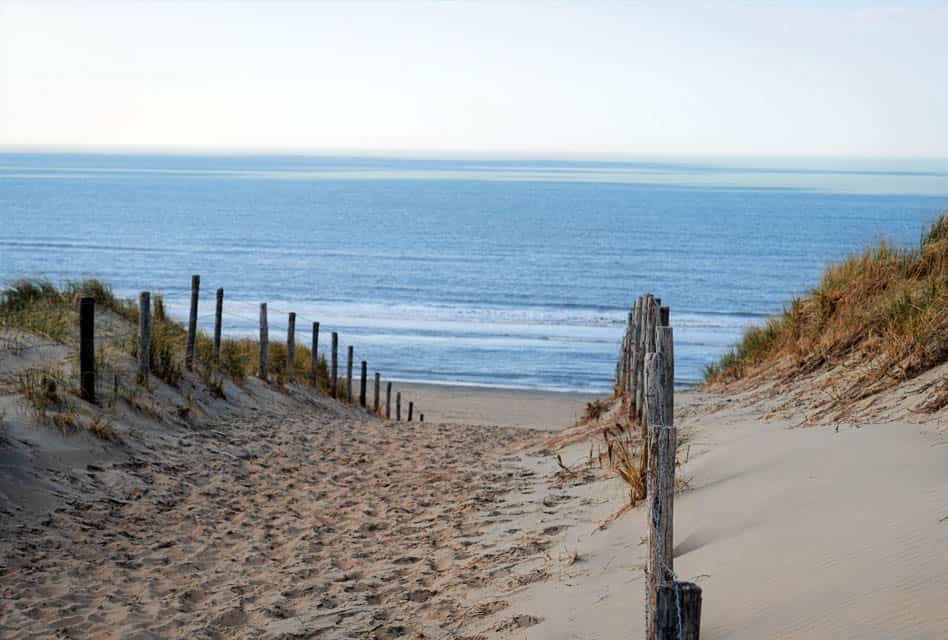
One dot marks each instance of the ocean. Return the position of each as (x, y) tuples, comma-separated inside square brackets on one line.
[(512, 272)]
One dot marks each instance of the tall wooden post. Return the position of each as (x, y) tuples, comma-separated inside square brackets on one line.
[(666, 347), (375, 404), (264, 342), (314, 358), (411, 410), (334, 369), (349, 375), (192, 322), (218, 325), (398, 406), (634, 356), (144, 336), (388, 401), (87, 349), (363, 383), (291, 346), (661, 487)]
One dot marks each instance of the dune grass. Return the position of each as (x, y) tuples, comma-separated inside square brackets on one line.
[(37, 306), (885, 307)]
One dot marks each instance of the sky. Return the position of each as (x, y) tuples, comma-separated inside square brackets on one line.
[(806, 79)]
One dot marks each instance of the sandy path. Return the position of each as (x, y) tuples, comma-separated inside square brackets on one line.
[(277, 527)]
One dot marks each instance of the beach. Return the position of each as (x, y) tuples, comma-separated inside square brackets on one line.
[(290, 515)]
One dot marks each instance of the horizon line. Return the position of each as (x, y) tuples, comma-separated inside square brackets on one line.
[(538, 154)]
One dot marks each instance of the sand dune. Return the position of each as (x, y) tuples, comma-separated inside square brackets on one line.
[(294, 517)]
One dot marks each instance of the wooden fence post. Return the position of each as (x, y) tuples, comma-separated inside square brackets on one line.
[(144, 336), (314, 358), (388, 401), (264, 341), (334, 373), (218, 325), (192, 322), (678, 612), (378, 380), (642, 351), (666, 347), (87, 349), (661, 488), (291, 346), (349, 375), (362, 383), (411, 410), (398, 406), (633, 386)]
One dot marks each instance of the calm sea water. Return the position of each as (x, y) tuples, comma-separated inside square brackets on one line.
[(494, 272)]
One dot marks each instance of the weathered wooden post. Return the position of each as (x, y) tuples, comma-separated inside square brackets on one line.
[(633, 374), (87, 349), (388, 401), (411, 410), (640, 361), (678, 612), (661, 487), (362, 383), (218, 325), (666, 347), (349, 375), (398, 406), (144, 336), (334, 372), (264, 342), (378, 380), (314, 359), (192, 322), (290, 346)]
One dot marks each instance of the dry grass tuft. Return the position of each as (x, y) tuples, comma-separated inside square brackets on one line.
[(884, 307), (595, 409)]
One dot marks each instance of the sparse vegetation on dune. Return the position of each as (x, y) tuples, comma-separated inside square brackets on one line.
[(884, 308), (40, 308)]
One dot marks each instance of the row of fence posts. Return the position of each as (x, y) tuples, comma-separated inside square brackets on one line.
[(645, 376), (87, 372)]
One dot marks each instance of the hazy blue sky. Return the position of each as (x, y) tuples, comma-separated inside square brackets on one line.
[(804, 79)]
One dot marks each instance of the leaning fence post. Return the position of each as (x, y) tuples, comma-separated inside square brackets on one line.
[(334, 374), (398, 406), (192, 322), (365, 373), (411, 410), (378, 380), (264, 341), (144, 336), (87, 349), (388, 401), (314, 357), (218, 323), (678, 611), (349, 376)]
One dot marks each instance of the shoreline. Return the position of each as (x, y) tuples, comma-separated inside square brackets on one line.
[(484, 406)]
